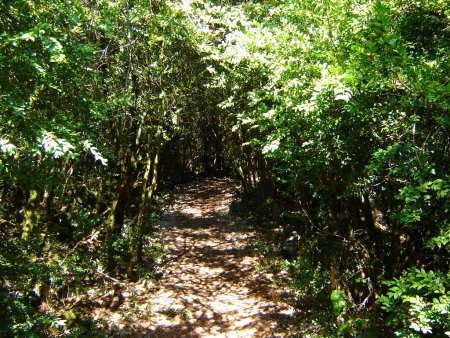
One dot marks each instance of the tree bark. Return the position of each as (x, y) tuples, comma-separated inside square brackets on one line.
[(30, 215), (137, 235)]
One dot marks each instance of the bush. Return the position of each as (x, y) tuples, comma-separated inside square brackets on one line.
[(418, 303)]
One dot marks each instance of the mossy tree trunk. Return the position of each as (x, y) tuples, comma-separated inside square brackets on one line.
[(30, 214), (139, 228)]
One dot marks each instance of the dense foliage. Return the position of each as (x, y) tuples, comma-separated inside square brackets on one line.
[(333, 115)]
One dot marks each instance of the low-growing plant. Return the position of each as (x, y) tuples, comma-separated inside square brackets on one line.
[(418, 303)]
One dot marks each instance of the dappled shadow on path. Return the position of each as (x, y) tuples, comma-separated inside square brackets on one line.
[(211, 286)]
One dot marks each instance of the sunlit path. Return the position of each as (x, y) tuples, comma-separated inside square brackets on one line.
[(212, 276)]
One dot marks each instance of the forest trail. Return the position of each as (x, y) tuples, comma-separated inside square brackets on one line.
[(211, 286)]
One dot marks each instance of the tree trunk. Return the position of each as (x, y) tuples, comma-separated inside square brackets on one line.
[(117, 214), (30, 215), (137, 235)]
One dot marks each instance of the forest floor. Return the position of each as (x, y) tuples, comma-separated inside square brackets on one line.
[(212, 284)]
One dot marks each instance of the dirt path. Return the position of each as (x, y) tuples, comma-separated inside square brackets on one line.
[(211, 286)]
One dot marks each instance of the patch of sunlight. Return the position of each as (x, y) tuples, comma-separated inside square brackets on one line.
[(116, 317), (243, 322), (247, 261), (221, 209), (210, 271), (192, 211), (233, 305)]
